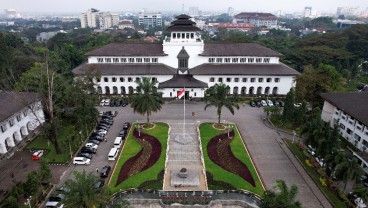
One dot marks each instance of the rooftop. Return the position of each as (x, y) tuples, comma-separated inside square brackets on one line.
[(12, 102), (237, 49), (183, 81), (256, 15), (129, 49), (125, 69), (183, 23), (353, 103)]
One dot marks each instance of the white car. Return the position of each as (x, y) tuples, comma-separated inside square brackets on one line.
[(263, 103), (101, 132), (320, 161), (102, 103), (51, 204), (91, 145), (107, 102), (269, 103), (81, 161), (297, 105)]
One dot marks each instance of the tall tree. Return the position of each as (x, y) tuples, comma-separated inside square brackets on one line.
[(219, 96), (289, 109), (148, 99), (81, 193), (284, 198), (349, 170)]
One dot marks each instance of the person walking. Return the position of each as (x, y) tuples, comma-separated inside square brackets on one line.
[(97, 170)]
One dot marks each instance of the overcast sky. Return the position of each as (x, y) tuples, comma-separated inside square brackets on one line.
[(78, 6)]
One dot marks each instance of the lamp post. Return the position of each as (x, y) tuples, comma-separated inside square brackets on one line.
[(28, 202), (294, 134), (139, 130), (228, 131)]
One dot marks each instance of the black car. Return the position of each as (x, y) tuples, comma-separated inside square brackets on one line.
[(62, 189), (282, 103), (252, 103), (125, 103), (276, 103), (115, 114), (106, 117), (97, 133), (86, 155), (88, 150), (98, 184), (105, 171), (106, 123), (122, 133), (98, 138), (259, 104), (104, 127), (56, 197), (126, 125), (94, 141)]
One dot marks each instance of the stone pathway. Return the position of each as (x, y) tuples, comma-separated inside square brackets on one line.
[(184, 152)]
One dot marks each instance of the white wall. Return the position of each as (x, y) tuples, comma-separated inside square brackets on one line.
[(172, 92)]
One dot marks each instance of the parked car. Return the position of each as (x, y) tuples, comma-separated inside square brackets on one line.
[(94, 141), (98, 184), (100, 133), (115, 114), (252, 103), (105, 171), (52, 204), (311, 150), (62, 189), (297, 105), (98, 138), (125, 103), (356, 200), (91, 145), (126, 125), (88, 150), (86, 155), (81, 161), (112, 103), (282, 103), (103, 127), (263, 103), (37, 154), (102, 103), (259, 104), (122, 133), (320, 161), (107, 102), (57, 197), (276, 103), (269, 103)]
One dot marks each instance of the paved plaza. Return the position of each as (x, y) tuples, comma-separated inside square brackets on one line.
[(272, 159)]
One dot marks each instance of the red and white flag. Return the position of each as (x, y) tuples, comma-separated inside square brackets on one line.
[(181, 93)]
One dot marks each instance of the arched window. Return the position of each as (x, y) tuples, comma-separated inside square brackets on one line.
[(267, 90), (236, 90), (122, 90), (107, 90), (243, 90), (251, 90), (130, 88), (114, 90), (259, 90), (99, 90), (275, 91)]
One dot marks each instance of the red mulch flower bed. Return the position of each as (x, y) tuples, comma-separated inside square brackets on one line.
[(220, 153), (144, 159)]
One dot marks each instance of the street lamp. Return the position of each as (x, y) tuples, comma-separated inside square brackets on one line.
[(28, 202), (294, 134), (139, 130)]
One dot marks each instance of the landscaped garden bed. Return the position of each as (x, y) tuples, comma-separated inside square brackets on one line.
[(142, 160), (227, 161)]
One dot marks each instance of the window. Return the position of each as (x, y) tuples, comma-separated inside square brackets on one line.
[(219, 60), (122, 79), (228, 79), (211, 60), (130, 79), (260, 79), (147, 60), (250, 60), (245, 79), (139, 60), (243, 60), (266, 60), (236, 79), (154, 60), (100, 60), (269, 80), (258, 60), (25, 113), (106, 79), (131, 60), (123, 60), (154, 79), (108, 60), (357, 137), (11, 122), (349, 131), (219, 79), (137, 79), (212, 79), (115, 60), (19, 117), (183, 63), (252, 79), (98, 79), (227, 60), (3, 128), (114, 79), (235, 60), (277, 79)]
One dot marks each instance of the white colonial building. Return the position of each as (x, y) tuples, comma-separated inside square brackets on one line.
[(349, 111), (20, 114), (185, 60)]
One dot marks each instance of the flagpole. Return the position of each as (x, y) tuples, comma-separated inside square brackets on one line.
[(184, 116)]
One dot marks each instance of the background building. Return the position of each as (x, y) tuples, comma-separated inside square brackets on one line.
[(307, 13), (20, 114), (346, 11), (11, 13), (93, 18), (258, 19), (150, 19)]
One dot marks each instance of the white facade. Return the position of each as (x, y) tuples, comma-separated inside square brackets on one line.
[(350, 128), (108, 20), (92, 18), (150, 19), (14, 129)]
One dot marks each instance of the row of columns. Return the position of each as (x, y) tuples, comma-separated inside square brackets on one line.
[(11, 141)]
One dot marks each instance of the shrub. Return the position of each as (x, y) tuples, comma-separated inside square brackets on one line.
[(308, 163)]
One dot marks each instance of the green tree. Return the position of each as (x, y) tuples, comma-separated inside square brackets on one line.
[(148, 99), (11, 202), (219, 96), (285, 198), (31, 184), (82, 194), (328, 141), (289, 109), (349, 170), (44, 171)]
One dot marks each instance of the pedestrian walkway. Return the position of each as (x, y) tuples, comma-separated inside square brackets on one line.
[(184, 152)]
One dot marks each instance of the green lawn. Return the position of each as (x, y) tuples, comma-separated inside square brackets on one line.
[(130, 149), (333, 198), (41, 142), (207, 132)]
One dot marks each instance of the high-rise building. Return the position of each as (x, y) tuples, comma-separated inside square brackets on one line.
[(150, 19), (258, 19), (11, 13), (93, 18), (307, 12), (346, 11)]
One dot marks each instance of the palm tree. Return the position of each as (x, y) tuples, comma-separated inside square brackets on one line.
[(81, 193), (218, 96), (148, 100), (328, 141), (285, 198), (349, 170)]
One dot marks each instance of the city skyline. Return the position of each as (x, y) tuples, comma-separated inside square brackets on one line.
[(69, 6)]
